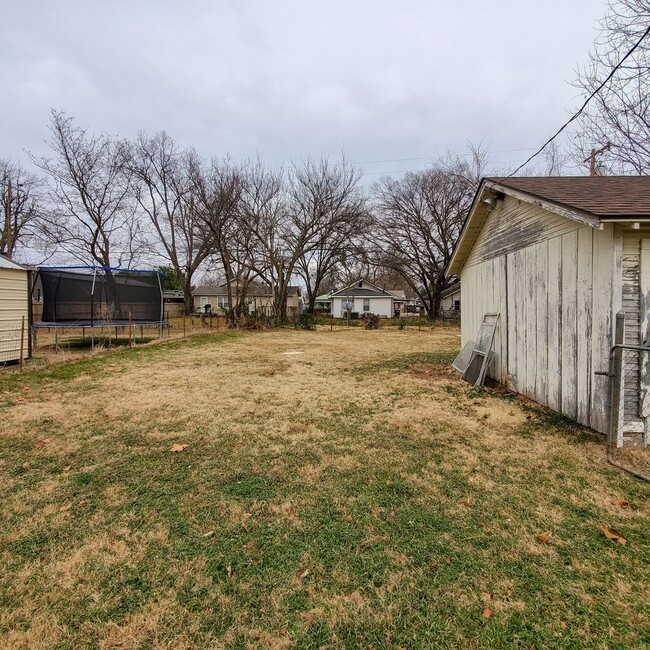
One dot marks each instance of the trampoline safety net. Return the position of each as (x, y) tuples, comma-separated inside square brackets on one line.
[(100, 295)]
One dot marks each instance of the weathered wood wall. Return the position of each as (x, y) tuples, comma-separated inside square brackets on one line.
[(551, 279)]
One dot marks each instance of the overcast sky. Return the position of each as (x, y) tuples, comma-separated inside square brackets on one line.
[(378, 79)]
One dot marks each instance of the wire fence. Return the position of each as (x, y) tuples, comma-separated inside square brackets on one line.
[(628, 439), (14, 344)]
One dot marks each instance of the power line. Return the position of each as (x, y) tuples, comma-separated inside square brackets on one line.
[(579, 112)]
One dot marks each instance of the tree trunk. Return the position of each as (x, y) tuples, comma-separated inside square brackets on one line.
[(187, 295)]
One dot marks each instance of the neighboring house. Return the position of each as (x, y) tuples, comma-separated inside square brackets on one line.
[(258, 297), (360, 298), (450, 300), (14, 311), (557, 258), (324, 301), (399, 301)]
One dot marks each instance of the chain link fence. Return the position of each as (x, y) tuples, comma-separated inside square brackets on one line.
[(628, 437)]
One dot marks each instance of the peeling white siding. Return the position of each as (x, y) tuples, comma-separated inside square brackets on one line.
[(551, 279)]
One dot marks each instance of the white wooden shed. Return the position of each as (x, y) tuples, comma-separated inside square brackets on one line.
[(557, 258), (14, 310)]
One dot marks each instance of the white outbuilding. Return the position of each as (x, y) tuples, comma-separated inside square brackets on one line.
[(14, 311), (557, 258)]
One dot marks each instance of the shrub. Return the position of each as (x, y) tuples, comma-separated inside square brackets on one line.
[(372, 322), (306, 321)]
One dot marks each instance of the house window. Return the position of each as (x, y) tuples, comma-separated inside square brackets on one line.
[(204, 301), (456, 305), (366, 304), (222, 302)]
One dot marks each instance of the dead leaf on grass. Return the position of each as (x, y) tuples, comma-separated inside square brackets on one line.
[(544, 537), (42, 442), (612, 534), (67, 468), (26, 465), (65, 507), (208, 534), (176, 447), (229, 571), (487, 613), (621, 503), (462, 502), (304, 574)]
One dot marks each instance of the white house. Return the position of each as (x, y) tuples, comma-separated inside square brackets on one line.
[(360, 298), (450, 300), (557, 258)]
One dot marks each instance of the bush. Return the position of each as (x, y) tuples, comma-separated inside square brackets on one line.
[(306, 321), (372, 322)]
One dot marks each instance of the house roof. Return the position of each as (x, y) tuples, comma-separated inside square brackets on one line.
[(611, 197), (255, 289), (589, 200), (6, 263), (450, 290), (354, 291)]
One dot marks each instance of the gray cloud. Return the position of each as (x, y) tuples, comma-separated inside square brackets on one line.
[(380, 79)]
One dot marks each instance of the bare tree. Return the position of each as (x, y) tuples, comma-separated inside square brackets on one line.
[(92, 218), (331, 197), (163, 189), (21, 205), (263, 232), (616, 123), (218, 189), (417, 223)]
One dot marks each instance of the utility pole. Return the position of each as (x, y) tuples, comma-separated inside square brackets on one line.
[(593, 168)]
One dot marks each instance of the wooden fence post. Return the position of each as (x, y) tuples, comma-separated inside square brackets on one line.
[(22, 343)]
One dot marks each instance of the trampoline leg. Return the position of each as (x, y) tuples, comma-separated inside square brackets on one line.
[(56, 339), (92, 338)]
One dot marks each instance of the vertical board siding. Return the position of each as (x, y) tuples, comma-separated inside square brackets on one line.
[(508, 325), (541, 321), (530, 276), (604, 272), (584, 324), (555, 298), (554, 318), (569, 324)]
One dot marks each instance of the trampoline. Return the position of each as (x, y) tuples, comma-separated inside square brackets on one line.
[(90, 297)]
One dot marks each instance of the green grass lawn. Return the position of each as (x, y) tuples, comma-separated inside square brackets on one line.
[(338, 489)]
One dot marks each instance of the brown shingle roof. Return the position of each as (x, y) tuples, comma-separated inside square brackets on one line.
[(603, 196)]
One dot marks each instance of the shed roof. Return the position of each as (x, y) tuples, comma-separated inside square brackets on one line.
[(624, 197), (6, 263), (589, 200)]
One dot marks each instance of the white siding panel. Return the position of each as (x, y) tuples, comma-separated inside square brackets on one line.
[(569, 333), (554, 325), (583, 323), (602, 316), (541, 268), (530, 306)]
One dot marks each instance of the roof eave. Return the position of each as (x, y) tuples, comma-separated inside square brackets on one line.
[(458, 258)]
